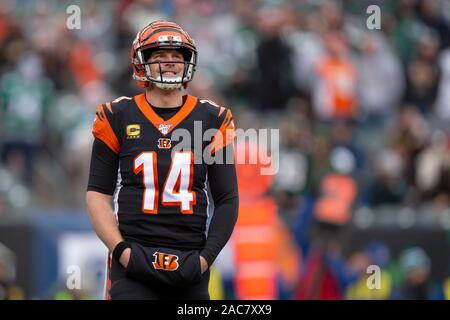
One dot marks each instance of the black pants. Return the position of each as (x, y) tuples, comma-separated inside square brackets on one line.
[(158, 273)]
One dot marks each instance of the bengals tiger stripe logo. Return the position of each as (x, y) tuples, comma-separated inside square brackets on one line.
[(165, 261), (164, 143)]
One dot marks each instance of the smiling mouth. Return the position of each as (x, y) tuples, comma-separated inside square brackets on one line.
[(169, 73)]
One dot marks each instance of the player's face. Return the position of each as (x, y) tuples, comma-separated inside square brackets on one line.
[(171, 63)]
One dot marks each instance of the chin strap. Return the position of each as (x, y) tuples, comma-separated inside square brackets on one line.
[(161, 85), (168, 86)]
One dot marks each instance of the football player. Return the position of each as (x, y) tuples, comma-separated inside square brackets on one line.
[(156, 232)]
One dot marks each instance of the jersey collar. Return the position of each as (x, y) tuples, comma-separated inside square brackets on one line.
[(167, 126)]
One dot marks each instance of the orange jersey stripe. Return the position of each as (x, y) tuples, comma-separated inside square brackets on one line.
[(108, 105), (102, 130), (225, 135)]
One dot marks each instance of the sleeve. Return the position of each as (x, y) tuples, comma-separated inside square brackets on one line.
[(105, 152), (103, 170), (224, 189), (103, 127), (226, 132)]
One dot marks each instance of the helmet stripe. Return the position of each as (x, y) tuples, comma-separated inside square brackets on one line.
[(162, 30)]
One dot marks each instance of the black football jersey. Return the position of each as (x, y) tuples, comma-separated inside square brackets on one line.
[(161, 197)]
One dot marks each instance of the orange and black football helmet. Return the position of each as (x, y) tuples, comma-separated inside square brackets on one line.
[(160, 35)]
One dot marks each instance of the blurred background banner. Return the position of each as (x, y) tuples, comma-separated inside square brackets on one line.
[(360, 205)]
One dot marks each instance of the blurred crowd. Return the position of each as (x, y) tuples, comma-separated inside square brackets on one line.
[(371, 105)]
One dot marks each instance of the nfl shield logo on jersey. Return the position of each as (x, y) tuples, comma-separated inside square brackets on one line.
[(164, 128)]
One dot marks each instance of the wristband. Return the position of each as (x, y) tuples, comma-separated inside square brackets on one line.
[(119, 249)]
